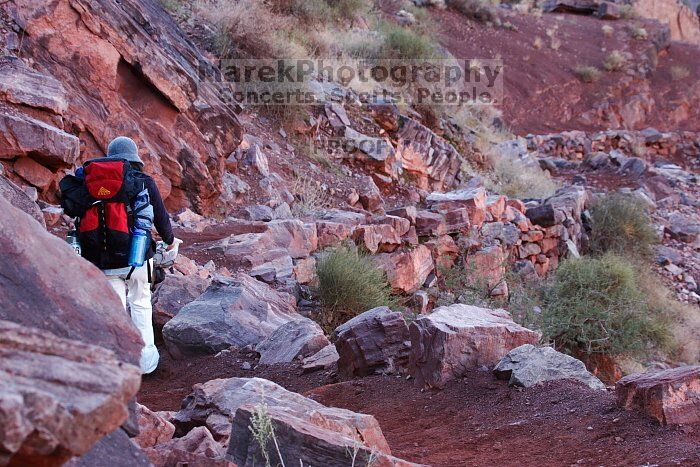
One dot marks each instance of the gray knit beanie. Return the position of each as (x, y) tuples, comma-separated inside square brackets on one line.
[(124, 148)]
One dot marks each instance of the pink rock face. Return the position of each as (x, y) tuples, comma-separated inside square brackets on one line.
[(332, 233), (22, 135), (407, 271), (487, 267), (430, 223), (376, 238), (296, 238), (455, 338), (57, 396), (429, 159), (137, 75), (375, 341), (197, 447), (324, 437), (670, 396), (153, 429)]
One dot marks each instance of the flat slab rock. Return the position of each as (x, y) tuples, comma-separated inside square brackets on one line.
[(670, 396), (455, 338), (528, 365), (375, 341), (236, 311), (57, 396)]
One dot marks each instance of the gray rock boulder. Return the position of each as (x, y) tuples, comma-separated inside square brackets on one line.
[(322, 359), (44, 284), (376, 341), (174, 293), (293, 340), (528, 365), (236, 312), (456, 338)]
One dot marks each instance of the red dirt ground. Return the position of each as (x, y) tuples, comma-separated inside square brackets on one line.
[(478, 420), (542, 95)]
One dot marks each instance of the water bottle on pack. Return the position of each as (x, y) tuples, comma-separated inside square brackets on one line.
[(140, 237), (139, 245)]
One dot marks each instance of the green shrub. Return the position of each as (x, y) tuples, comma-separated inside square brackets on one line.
[(616, 61), (621, 225), (587, 74), (401, 42), (479, 10), (596, 305), (638, 32), (349, 284), (514, 179)]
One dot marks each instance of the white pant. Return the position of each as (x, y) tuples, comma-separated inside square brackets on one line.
[(139, 297)]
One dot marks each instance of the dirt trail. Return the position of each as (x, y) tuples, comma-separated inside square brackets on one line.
[(475, 421)]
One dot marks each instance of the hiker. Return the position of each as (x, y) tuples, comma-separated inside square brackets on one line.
[(114, 202)]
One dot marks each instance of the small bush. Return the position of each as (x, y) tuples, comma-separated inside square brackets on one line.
[(308, 11), (403, 43), (595, 305), (349, 284), (479, 10), (679, 73), (608, 30), (615, 61), (628, 12), (513, 178), (638, 32), (587, 74), (308, 196), (621, 225)]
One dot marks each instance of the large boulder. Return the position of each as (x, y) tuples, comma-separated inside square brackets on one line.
[(57, 396), (456, 338), (375, 341), (670, 396), (306, 431), (44, 284), (291, 341), (528, 365), (289, 237), (174, 293), (324, 436), (236, 312), (214, 404)]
